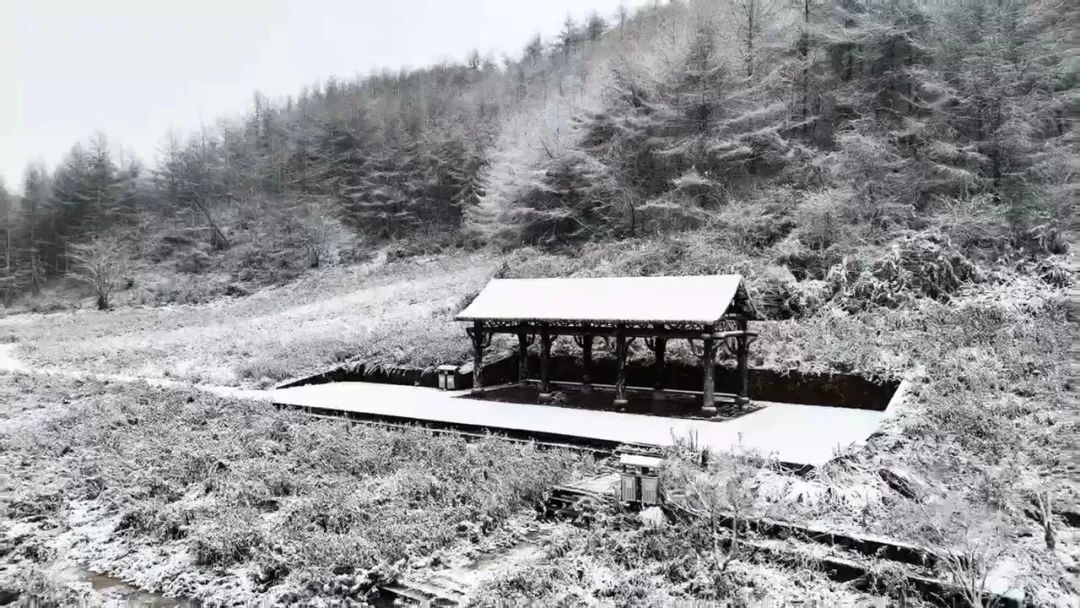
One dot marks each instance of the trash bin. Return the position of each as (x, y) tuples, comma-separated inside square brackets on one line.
[(447, 377)]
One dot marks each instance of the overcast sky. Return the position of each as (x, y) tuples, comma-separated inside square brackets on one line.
[(136, 68)]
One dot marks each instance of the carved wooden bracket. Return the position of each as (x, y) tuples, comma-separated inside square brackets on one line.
[(484, 340)]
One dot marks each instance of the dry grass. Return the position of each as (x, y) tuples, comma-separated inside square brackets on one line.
[(619, 561), (173, 488)]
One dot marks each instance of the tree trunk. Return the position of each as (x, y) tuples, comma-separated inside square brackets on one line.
[(8, 279), (217, 237), (35, 289)]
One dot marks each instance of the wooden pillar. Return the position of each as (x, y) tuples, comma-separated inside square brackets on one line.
[(659, 351), (545, 355), (708, 363), (477, 336), (586, 363), (523, 359), (620, 363), (742, 355)]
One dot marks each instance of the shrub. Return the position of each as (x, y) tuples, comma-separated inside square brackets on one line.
[(180, 289), (271, 367), (758, 223), (231, 537), (320, 233), (674, 211), (159, 245), (1054, 271), (824, 218), (970, 543), (194, 261), (778, 295), (916, 265), (100, 264), (350, 501), (804, 262)]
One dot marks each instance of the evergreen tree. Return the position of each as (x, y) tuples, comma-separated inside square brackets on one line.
[(1000, 89), (595, 28), (751, 18), (534, 51), (874, 110), (8, 263), (37, 225), (570, 35)]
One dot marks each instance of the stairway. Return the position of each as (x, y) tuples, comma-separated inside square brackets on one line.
[(580, 499), (434, 591)]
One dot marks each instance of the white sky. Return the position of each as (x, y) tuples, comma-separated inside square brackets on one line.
[(133, 69)]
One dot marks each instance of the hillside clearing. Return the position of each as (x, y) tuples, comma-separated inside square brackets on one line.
[(392, 313)]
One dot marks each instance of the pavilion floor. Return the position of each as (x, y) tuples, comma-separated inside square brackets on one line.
[(674, 404), (799, 435)]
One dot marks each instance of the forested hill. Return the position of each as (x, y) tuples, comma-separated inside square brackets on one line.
[(796, 132)]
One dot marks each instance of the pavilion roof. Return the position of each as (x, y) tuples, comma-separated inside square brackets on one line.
[(674, 299)]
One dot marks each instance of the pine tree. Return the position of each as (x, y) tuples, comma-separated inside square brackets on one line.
[(193, 178), (9, 262), (657, 131), (534, 51), (569, 36), (1002, 85), (104, 184), (595, 27), (807, 74), (751, 17), (73, 197), (35, 210)]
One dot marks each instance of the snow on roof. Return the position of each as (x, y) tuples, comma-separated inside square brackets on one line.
[(637, 460), (689, 299)]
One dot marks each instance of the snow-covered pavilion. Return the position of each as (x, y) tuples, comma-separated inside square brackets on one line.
[(713, 309)]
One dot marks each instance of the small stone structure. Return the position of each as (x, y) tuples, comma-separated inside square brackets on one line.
[(447, 377), (712, 310), (639, 479)]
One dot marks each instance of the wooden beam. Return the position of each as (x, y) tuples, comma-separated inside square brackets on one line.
[(620, 361), (708, 364), (545, 363), (723, 335), (659, 370), (477, 336), (523, 359), (600, 331), (586, 363), (742, 356)]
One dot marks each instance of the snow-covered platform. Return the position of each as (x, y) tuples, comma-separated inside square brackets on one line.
[(801, 435)]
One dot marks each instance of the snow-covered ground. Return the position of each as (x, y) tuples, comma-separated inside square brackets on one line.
[(794, 434)]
